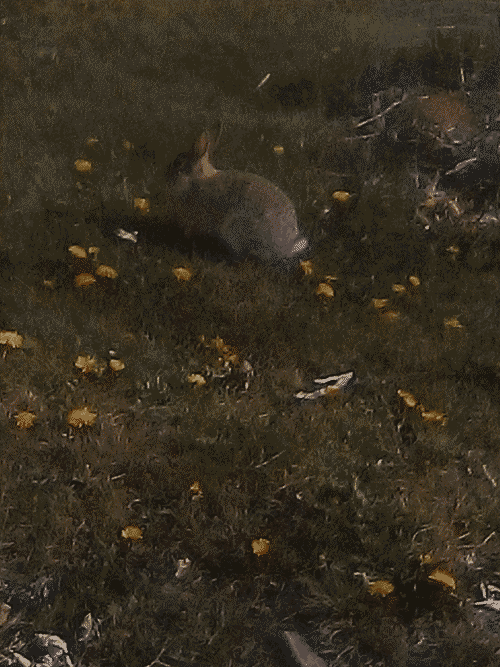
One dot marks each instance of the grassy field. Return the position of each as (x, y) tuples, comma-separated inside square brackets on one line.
[(147, 410)]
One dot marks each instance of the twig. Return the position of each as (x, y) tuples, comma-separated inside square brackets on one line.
[(383, 113), (269, 460), (461, 165)]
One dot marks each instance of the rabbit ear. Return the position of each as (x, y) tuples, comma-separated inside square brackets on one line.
[(201, 145), (199, 162), (207, 140)]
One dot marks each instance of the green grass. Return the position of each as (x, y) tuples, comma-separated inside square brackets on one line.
[(340, 488)]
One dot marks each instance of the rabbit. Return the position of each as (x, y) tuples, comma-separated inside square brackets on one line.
[(246, 214)]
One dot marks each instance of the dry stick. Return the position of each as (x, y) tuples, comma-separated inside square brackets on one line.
[(383, 113)]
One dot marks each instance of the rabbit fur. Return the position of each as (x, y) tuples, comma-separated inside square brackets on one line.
[(247, 214)]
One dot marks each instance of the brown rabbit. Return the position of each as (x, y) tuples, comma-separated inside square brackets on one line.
[(248, 215)]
